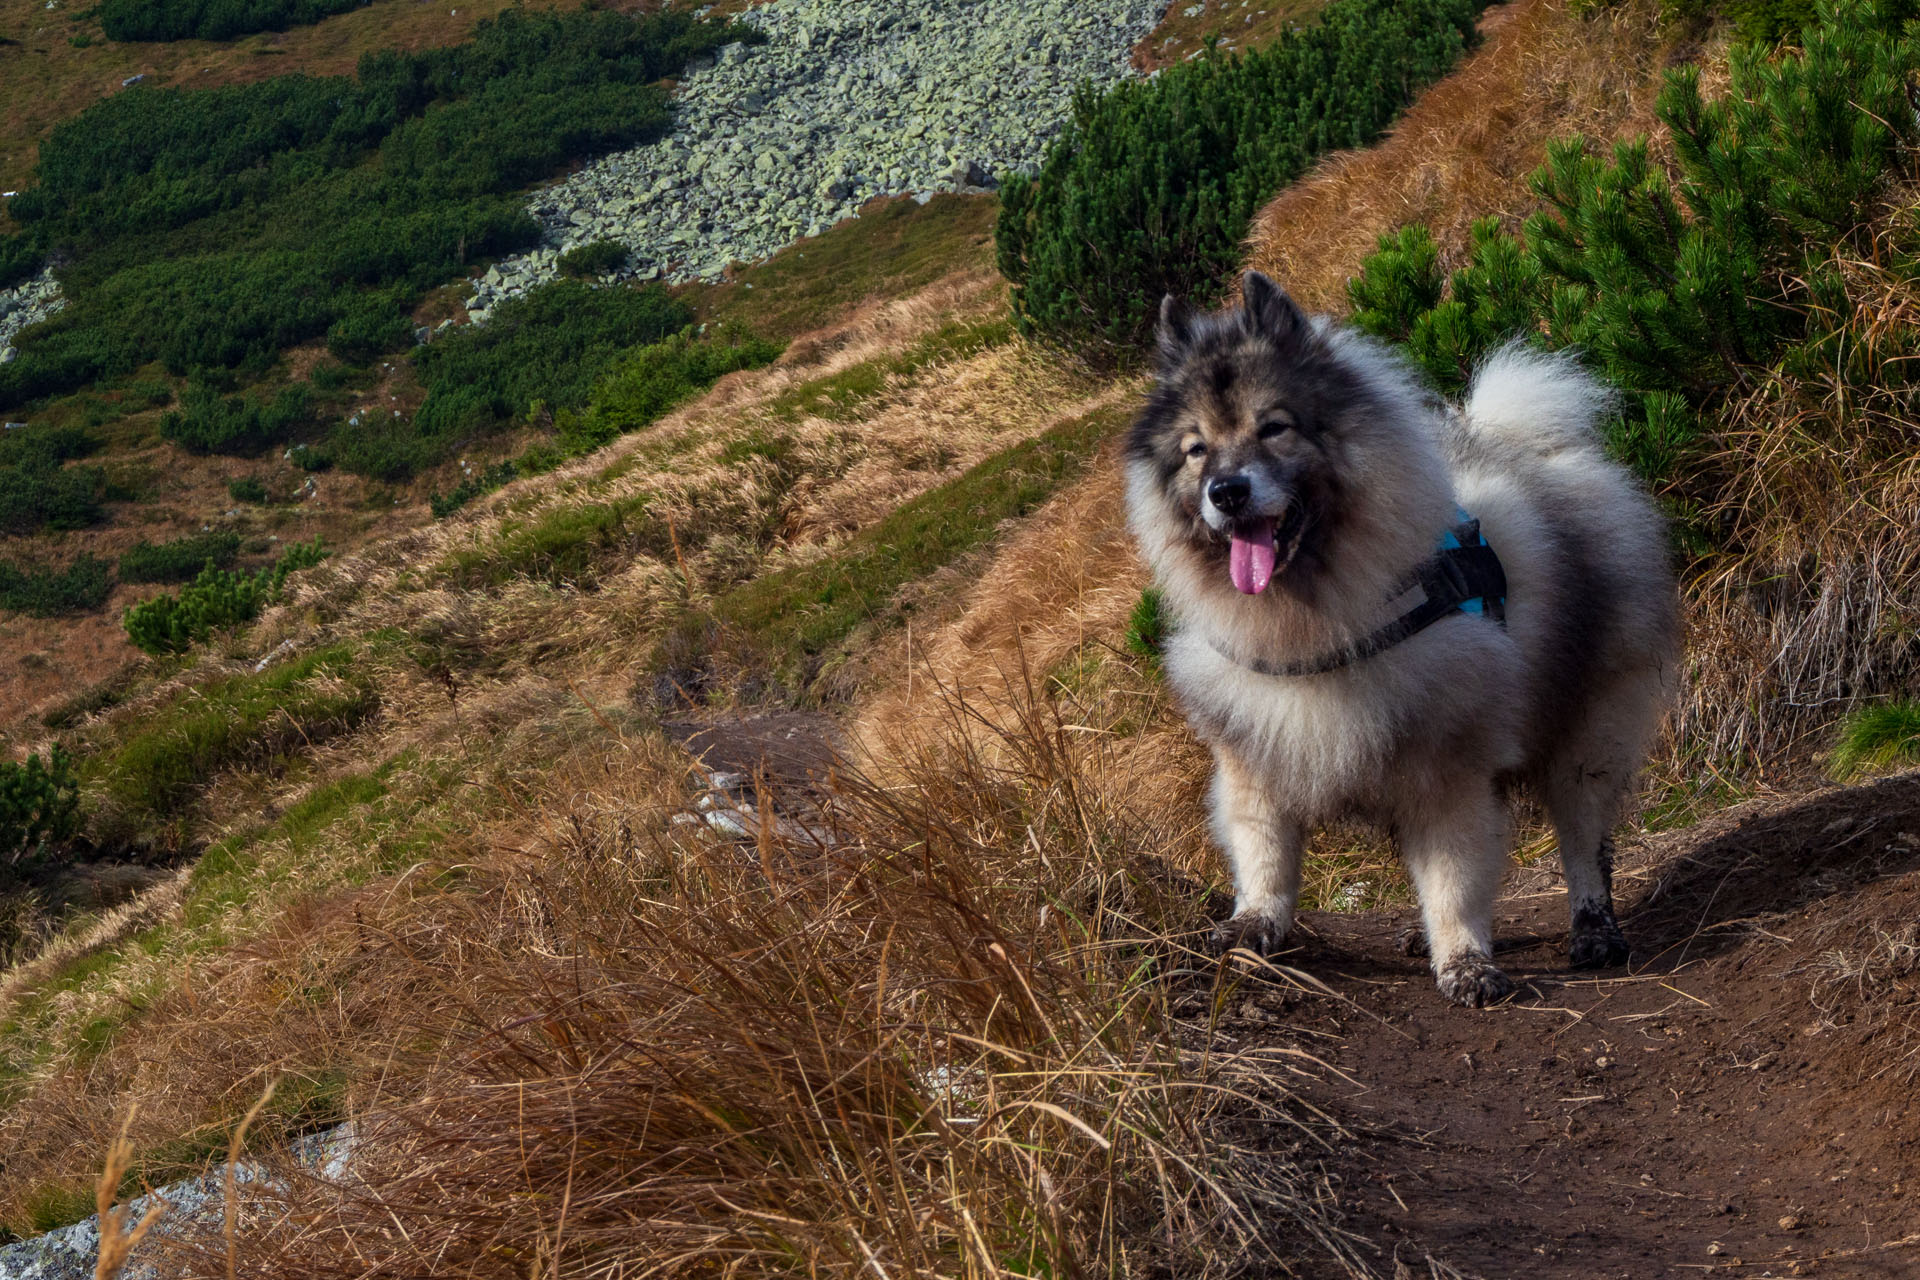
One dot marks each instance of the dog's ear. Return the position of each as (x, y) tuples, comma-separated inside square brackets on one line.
[(1175, 332), (1270, 312)]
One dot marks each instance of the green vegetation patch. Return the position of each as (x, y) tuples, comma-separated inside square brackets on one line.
[(39, 807), (646, 384), (213, 228), (1680, 293), (150, 777), (843, 396), (1150, 188), (19, 259), (247, 489), (214, 601), (38, 490), (795, 616), (546, 349), (44, 592), (165, 20), (598, 258), (893, 248), (208, 422), (1882, 737), (179, 559), (566, 545)]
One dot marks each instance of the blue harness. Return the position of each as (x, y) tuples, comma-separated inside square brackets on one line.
[(1463, 575)]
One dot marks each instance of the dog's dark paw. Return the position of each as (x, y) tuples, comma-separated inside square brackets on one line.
[(1412, 941), (1474, 981), (1597, 943), (1253, 931)]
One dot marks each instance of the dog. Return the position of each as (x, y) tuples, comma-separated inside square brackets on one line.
[(1352, 644)]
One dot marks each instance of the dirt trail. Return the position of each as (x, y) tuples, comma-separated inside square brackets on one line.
[(1738, 1102)]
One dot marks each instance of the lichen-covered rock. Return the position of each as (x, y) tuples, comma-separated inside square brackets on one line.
[(28, 302), (847, 100)]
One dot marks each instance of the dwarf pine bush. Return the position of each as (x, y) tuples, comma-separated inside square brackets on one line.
[(214, 601), (1151, 186), (44, 592), (1676, 290), (208, 422), (160, 20), (214, 228), (39, 806), (179, 559)]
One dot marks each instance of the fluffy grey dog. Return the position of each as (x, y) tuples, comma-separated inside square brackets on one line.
[(1292, 482)]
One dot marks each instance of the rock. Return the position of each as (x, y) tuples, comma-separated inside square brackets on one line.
[(838, 106)]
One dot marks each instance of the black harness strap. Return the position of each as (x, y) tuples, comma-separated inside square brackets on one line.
[(1447, 581)]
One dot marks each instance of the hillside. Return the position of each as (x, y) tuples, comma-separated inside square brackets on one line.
[(715, 805)]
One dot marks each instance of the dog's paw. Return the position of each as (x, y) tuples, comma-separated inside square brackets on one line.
[(1254, 931), (1596, 942), (1412, 941), (1474, 981)]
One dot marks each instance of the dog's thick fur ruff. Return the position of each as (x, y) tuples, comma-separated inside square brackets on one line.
[(1339, 471)]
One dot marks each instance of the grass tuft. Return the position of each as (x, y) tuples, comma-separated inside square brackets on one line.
[(1874, 738)]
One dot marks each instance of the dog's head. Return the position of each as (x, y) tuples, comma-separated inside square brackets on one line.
[(1243, 434)]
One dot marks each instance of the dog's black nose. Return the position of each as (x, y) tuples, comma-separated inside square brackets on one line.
[(1229, 493)]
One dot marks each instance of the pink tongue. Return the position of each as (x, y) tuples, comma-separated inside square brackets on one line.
[(1251, 561)]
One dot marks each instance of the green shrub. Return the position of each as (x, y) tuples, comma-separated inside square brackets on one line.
[(1877, 738), (159, 20), (473, 486), (213, 228), (39, 806), (1677, 293), (208, 422), (247, 489), (180, 559), (37, 491), (81, 587), (19, 260), (600, 258), (648, 383), (1150, 188), (42, 497), (214, 601), (374, 325), (546, 347)]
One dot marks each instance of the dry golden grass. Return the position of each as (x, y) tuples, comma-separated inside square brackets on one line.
[(1464, 150), (1815, 602), (483, 664), (928, 1045), (719, 517), (937, 1042), (1236, 24)]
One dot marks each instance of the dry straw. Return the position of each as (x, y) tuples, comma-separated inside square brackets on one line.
[(932, 1039)]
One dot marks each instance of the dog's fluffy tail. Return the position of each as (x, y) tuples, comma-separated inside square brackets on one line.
[(1535, 400)]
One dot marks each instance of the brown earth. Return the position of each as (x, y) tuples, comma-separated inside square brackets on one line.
[(1739, 1100)]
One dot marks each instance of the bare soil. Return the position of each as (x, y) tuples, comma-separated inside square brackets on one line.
[(1739, 1100)]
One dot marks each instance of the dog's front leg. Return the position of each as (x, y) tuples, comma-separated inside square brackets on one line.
[(1455, 847), (1263, 847)]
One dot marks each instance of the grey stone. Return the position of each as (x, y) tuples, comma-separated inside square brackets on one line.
[(836, 107)]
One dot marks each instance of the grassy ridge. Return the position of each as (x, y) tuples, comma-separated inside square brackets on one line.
[(794, 617)]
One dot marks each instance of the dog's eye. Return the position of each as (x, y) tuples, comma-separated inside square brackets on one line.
[(1196, 448), (1276, 426)]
